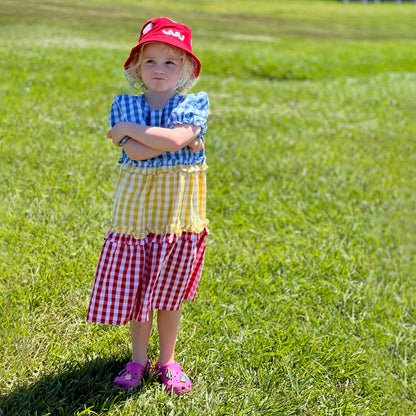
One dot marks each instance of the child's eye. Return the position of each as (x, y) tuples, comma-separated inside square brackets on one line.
[(170, 62), (150, 61)]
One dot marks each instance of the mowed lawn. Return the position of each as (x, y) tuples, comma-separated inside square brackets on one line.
[(307, 301)]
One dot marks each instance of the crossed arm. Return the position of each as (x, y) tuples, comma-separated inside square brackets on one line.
[(150, 142)]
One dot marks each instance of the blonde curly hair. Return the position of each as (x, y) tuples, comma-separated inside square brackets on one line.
[(186, 78)]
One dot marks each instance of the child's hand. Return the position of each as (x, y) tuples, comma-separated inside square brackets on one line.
[(196, 145), (116, 133)]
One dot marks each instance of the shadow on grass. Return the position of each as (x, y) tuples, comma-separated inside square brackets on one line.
[(74, 389)]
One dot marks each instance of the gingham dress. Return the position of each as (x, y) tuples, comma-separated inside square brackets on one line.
[(154, 250)]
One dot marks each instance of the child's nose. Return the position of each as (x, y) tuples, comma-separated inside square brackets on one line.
[(159, 68)]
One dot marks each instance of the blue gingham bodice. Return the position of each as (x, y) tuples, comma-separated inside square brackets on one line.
[(180, 109)]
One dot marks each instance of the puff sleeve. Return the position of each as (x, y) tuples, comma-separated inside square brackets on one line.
[(116, 114), (194, 109)]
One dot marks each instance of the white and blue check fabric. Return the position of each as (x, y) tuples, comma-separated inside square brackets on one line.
[(180, 109)]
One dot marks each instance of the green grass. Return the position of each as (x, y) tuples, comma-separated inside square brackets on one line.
[(308, 298)]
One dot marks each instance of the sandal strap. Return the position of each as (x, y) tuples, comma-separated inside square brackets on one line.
[(133, 367)]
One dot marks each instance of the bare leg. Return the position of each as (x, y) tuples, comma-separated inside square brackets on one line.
[(140, 334), (168, 326)]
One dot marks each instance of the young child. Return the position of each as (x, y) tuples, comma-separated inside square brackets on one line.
[(153, 253)]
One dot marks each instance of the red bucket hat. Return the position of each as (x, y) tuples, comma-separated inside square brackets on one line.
[(167, 31)]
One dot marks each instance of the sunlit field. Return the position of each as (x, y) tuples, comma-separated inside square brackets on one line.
[(308, 297)]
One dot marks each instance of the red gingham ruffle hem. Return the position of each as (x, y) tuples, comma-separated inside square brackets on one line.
[(136, 276)]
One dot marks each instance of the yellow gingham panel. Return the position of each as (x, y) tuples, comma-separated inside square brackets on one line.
[(162, 200)]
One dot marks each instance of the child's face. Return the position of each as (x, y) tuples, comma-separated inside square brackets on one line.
[(160, 68)]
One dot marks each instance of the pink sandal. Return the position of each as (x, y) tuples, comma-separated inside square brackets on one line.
[(173, 378), (132, 375)]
